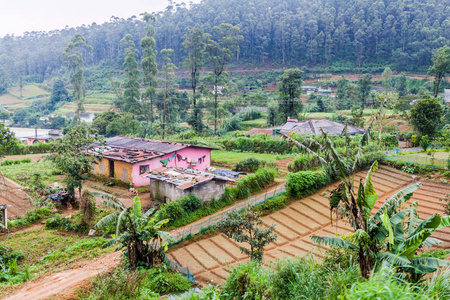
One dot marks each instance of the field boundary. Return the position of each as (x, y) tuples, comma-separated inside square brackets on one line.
[(204, 225)]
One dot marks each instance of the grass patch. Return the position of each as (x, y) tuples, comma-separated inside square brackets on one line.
[(257, 123), (143, 284), (229, 158), (28, 91), (49, 250), (440, 159), (22, 173), (32, 216)]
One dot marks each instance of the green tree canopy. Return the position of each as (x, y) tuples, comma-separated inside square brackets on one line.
[(426, 115), (440, 68), (7, 139), (131, 94), (73, 57), (59, 93), (75, 155), (290, 88)]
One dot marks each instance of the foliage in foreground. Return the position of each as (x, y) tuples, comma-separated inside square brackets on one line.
[(247, 227), (303, 278), (141, 284), (138, 233)]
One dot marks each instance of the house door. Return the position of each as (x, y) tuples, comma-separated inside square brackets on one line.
[(111, 168)]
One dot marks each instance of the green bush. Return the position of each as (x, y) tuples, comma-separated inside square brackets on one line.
[(54, 223), (254, 182), (145, 284), (250, 164), (247, 281), (302, 163), (190, 203), (390, 140), (273, 204), (305, 182), (21, 149), (172, 211)]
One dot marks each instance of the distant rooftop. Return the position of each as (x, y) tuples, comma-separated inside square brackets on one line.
[(314, 126), (184, 178), (447, 96)]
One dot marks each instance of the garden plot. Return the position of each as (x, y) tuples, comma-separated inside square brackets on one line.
[(210, 259)]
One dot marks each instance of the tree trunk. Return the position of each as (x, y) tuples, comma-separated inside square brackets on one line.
[(365, 264), (215, 106)]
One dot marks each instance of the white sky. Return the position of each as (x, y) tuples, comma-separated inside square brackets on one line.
[(19, 16)]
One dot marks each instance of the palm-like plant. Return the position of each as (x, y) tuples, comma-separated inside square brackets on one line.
[(139, 233), (371, 232)]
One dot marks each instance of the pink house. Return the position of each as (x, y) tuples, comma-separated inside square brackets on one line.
[(127, 158)]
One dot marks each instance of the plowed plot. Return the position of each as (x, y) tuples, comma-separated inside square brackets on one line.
[(15, 199), (209, 259)]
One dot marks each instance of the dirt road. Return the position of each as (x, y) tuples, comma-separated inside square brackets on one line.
[(65, 282)]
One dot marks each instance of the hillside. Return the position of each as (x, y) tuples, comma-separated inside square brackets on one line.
[(326, 34)]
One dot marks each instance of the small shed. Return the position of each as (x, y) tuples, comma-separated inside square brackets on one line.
[(44, 138), (169, 184)]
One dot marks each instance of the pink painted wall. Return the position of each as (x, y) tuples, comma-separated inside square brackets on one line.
[(190, 152)]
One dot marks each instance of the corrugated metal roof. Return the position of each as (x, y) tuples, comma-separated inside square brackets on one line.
[(128, 155), (314, 126), (160, 147), (184, 178)]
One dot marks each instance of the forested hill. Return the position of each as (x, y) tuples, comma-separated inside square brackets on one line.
[(332, 33)]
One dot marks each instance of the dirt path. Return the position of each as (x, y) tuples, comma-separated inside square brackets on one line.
[(66, 281)]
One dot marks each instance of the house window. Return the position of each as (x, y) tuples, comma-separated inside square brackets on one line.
[(143, 169)]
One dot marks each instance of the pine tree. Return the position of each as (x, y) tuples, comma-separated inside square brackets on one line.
[(73, 57), (131, 93)]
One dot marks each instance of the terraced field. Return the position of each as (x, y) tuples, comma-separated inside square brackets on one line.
[(208, 259)]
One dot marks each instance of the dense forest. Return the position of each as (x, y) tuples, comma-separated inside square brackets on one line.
[(327, 34)]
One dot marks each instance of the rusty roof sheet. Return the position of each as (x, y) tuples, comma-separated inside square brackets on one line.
[(184, 178), (156, 146), (128, 155)]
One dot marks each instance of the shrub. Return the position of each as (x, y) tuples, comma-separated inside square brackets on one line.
[(390, 140), (247, 281), (250, 164), (273, 204), (254, 182), (305, 182), (172, 211), (302, 163), (190, 203)]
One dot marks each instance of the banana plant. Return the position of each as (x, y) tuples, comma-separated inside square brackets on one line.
[(381, 237), (140, 234)]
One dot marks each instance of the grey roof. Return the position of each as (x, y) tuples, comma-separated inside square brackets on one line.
[(226, 172), (446, 95), (44, 136), (184, 178), (314, 126), (159, 147)]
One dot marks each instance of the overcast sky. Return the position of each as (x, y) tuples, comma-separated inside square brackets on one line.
[(19, 16)]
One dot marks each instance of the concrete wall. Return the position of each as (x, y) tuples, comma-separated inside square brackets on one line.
[(122, 170), (161, 190)]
